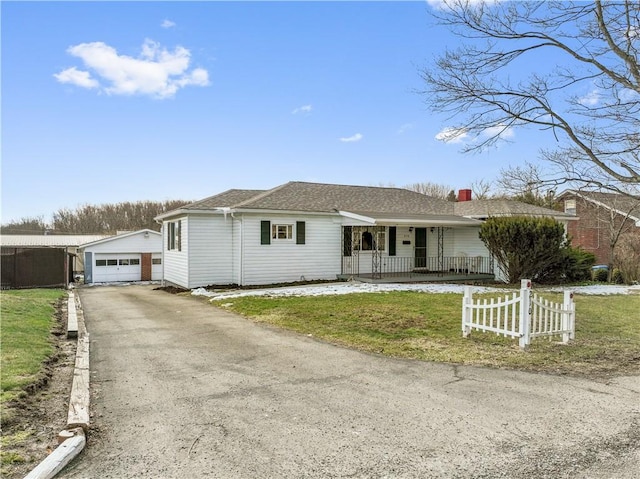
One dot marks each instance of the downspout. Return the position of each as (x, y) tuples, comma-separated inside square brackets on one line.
[(161, 223), (231, 212)]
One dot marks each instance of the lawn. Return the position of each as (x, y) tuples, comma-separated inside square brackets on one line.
[(27, 321), (426, 326)]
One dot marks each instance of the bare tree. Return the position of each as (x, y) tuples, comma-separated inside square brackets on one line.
[(481, 189), (110, 218), (431, 189), (588, 98), (25, 226), (526, 183)]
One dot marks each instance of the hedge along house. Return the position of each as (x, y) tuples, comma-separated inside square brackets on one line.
[(133, 256), (309, 231)]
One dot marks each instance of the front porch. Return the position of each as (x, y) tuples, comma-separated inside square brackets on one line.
[(398, 269)]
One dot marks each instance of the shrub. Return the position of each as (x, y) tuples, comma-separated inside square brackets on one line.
[(527, 247), (601, 275), (578, 264), (616, 276), (627, 258)]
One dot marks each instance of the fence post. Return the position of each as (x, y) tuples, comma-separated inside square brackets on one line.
[(467, 301), (525, 313), (569, 317)]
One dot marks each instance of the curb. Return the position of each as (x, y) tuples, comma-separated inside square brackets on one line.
[(72, 440)]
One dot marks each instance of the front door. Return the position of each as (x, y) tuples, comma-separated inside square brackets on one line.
[(421, 248)]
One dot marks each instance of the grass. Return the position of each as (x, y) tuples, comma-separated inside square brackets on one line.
[(427, 326), (27, 320)]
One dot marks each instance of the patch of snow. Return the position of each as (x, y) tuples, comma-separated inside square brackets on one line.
[(356, 287), (340, 289), (599, 289)]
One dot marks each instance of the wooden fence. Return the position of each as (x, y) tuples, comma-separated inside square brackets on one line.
[(524, 315)]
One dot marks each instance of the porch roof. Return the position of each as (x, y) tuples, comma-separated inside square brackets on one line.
[(404, 219)]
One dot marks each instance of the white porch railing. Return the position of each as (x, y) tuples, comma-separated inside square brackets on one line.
[(389, 266), (524, 315)]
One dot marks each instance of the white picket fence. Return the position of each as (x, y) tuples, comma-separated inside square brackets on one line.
[(524, 315)]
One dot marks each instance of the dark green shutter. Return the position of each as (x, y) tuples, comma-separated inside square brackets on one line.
[(392, 240), (300, 232), (346, 241), (265, 232)]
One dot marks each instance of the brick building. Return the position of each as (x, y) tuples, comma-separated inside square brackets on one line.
[(603, 219)]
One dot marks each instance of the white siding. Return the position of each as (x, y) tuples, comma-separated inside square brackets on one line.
[(176, 263), (447, 242), (284, 260), (466, 241), (403, 234), (210, 250), (136, 243)]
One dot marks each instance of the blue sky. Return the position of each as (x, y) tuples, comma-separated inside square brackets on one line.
[(119, 101)]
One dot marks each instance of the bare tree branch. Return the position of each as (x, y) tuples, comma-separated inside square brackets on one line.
[(587, 47)]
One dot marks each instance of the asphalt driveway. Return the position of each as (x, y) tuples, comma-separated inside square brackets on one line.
[(182, 389)]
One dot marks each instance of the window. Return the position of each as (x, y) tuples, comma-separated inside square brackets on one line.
[(301, 232), (570, 207), (373, 238), (101, 262), (112, 262), (124, 262), (174, 236), (134, 261), (156, 261), (281, 232)]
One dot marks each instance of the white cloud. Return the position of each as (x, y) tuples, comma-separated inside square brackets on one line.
[(167, 23), (76, 77), (157, 72), (351, 139), (302, 109), (452, 135), (590, 99)]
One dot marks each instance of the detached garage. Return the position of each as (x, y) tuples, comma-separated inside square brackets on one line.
[(135, 256)]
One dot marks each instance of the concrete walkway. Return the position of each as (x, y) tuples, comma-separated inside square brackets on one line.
[(182, 389)]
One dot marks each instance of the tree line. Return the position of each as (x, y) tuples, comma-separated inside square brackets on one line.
[(96, 219)]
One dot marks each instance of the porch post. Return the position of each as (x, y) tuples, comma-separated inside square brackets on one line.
[(440, 250)]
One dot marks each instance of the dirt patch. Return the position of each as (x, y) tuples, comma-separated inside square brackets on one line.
[(31, 423)]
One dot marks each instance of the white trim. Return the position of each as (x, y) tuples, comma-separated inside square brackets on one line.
[(355, 216), (118, 237), (599, 203)]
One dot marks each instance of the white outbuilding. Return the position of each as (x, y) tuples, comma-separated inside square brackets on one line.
[(134, 256)]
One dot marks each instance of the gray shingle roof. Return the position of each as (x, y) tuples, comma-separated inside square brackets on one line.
[(318, 197), (502, 207), (225, 199)]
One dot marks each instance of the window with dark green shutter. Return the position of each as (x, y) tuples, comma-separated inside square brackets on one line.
[(300, 232), (265, 232), (392, 240)]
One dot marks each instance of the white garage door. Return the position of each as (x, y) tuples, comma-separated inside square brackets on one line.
[(116, 267)]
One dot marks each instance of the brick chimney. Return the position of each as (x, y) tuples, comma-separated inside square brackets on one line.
[(464, 195)]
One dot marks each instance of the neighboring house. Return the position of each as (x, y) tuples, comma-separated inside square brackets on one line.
[(309, 231), (133, 256), (42, 260), (603, 218)]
